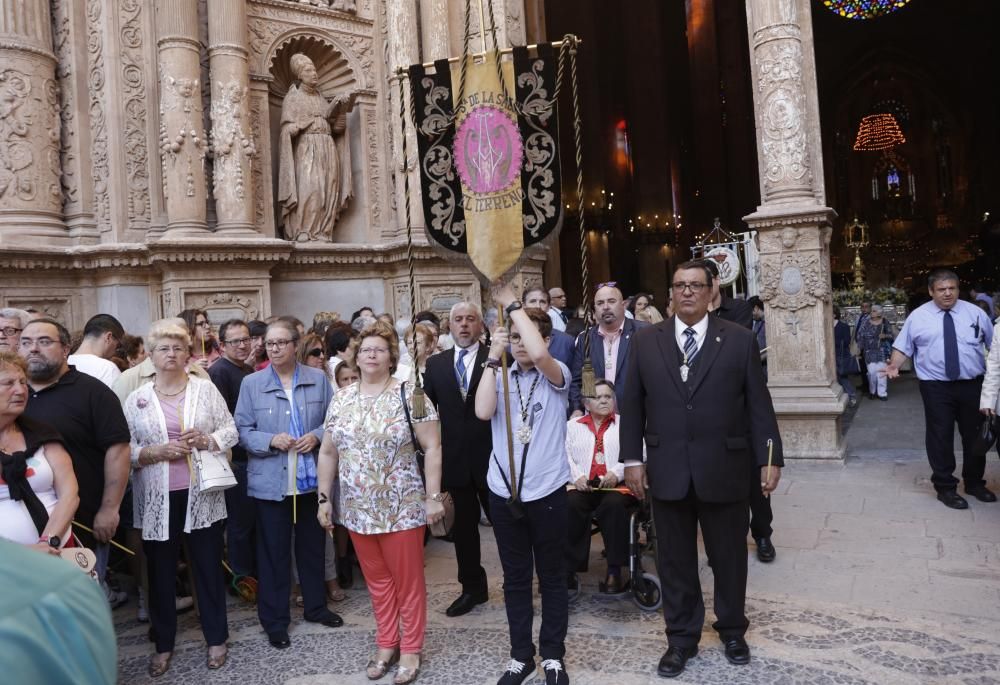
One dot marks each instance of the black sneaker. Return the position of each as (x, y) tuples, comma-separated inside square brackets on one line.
[(517, 672), (555, 672)]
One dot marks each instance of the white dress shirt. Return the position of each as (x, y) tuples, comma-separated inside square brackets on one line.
[(700, 329)]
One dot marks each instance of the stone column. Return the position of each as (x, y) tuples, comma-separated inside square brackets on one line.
[(182, 134), (403, 51), (233, 145), (30, 191), (434, 23), (794, 231)]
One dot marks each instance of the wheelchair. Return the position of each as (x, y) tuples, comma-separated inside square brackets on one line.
[(643, 585)]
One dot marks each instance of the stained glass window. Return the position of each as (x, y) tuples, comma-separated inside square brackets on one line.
[(863, 9)]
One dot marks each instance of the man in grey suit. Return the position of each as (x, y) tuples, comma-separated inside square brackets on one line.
[(696, 394)]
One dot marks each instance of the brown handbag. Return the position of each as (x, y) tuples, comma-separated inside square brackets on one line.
[(443, 526)]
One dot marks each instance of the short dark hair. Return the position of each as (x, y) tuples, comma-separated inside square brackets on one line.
[(941, 275), (756, 303), (836, 312), (103, 323), (604, 381), (231, 323), (535, 288), (428, 315), (697, 264), (356, 314), (711, 265), (65, 337), (258, 329), (541, 319), (130, 345), (338, 337)]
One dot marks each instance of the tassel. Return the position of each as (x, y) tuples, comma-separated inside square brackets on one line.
[(587, 387), (419, 402)]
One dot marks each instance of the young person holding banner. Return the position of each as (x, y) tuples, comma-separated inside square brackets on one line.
[(529, 506)]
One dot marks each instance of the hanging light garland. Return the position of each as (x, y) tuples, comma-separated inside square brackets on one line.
[(878, 132), (863, 9)]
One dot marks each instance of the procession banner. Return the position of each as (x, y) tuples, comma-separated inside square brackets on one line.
[(489, 157)]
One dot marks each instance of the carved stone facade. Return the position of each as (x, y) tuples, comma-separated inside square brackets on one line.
[(139, 160), (794, 231)]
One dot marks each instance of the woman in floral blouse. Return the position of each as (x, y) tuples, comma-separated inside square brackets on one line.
[(383, 502), (168, 419)]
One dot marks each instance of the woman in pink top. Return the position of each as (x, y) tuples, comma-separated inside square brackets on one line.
[(171, 420)]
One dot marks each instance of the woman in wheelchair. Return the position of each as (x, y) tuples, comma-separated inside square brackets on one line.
[(598, 492)]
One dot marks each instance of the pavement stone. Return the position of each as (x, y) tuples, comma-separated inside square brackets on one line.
[(875, 583)]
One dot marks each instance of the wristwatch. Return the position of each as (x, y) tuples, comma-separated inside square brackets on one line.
[(437, 496), (516, 304)]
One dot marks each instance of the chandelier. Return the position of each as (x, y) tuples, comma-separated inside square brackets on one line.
[(863, 9), (878, 132)]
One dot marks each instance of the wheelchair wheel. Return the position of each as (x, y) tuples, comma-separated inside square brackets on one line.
[(646, 592)]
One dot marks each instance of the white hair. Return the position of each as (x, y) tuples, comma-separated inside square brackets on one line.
[(14, 313), (877, 308), (467, 304)]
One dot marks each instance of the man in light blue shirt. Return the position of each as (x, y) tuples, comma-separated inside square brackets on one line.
[(945, 339), (528, 504)]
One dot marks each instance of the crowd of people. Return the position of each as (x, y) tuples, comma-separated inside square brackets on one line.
[(346, 441)]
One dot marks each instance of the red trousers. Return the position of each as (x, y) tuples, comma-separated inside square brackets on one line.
[(393, 564)]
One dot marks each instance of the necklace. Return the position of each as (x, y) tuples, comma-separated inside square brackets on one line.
[(379, 393), (169, 394), (524, 431)]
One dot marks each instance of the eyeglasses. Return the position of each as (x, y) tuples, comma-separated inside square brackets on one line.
[(277, 344), (693, 287), (176, 349), (316, 352), (609, 284), (372, 351), (237, 342), (44, 343), (10, 331)]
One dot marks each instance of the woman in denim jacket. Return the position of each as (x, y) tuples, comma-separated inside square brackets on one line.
[(281, 438)]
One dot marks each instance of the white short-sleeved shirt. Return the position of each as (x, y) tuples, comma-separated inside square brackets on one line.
[(98, 367)]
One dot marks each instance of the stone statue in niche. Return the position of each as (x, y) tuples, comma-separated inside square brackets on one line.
[(314, 182)]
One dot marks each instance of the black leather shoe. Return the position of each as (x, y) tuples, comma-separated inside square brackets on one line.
[(330, 620), (279, 640), (952, 499), (737, 651), (465, 603), (765, 550), (674, 660), (981, 493)]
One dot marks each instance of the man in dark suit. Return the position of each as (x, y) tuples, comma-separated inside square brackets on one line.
[(609, 343), (740, 312), (696, 394), (450, 381)]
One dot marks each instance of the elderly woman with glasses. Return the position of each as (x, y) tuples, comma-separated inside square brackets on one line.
[(168, 419), (369, 445), (280, 418)]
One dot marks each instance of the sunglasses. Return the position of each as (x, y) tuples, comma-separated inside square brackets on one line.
[(609, 284), (316, 352)]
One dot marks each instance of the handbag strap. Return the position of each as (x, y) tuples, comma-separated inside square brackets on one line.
[(409, 422)]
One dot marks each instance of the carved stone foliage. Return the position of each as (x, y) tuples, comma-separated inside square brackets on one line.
[(185, 145), (514, 21), (374, 167), (782, 113), (256, 172), (793, 280), (98, 118), (233, 147), (29, 141), (67, 105), (246, 303), (133, 77)]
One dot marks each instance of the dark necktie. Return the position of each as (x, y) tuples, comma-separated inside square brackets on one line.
[(460, 372), (951, 367)]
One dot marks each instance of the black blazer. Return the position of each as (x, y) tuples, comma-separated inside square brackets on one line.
[(597, 360), (466, 442), (709, 435)]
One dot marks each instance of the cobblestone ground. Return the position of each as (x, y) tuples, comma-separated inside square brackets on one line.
[(875, 582)]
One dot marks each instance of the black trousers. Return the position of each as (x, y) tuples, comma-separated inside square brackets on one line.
[(274, 562), (539, 538), (761, 515), (945, 404), (723, 528), (611, 511), (241, 509), (205, 547), (465, 534)]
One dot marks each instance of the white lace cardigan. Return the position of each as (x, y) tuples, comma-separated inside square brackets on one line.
[(205, 409), (990, 398)]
